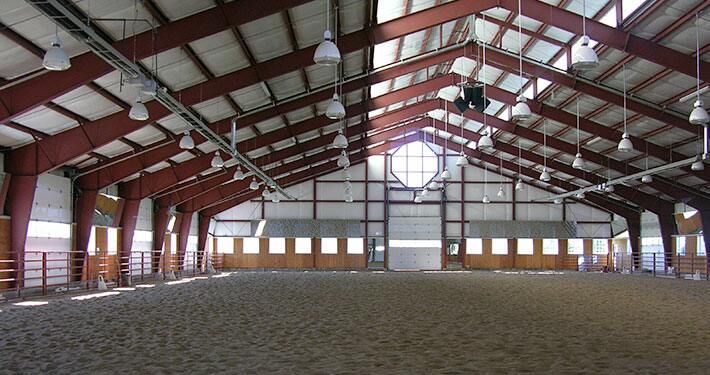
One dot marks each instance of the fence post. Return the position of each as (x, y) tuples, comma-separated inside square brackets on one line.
[(692, 264), (44, 273), (142, 264), (654, 264)]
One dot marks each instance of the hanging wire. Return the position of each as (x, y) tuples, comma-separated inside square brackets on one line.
[(520, 43), (485, 115), (697, 54), (584, 17), (578, 124), (624, 77), (544, 142)]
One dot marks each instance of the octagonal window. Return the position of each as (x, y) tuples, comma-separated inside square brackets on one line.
[(415, 164)]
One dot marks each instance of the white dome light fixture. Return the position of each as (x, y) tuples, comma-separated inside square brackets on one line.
[(462, 161), (275, 197), (335, 110), (485, 142), (585, 58), (501, 192), (217, 161), (521, 109), (343, 160), (545, 175), (327, 52), (186, 142), (139, 111), (699, 116), (238, 174), (485, 199), (519, 185), (578, 162), (417, 198), (433, 186), (698, 166), (625, 144), (253, 185), (265, 193), (647, 179), (580, 195), (609, 188), (340, 141), (56, 59), (558, 201), (425, 193), (446, 175), (346, 174)]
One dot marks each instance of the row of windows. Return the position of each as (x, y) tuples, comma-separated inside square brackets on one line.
[(550, 246), (277, 245), (681, 244)]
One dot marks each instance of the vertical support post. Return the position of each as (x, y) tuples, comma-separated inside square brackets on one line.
[(161, 216), (44, 273), (634, 226), (185, 224), (705, 219), (20, 196), (203, 224), (387, 211), (367, 253), (668, 229), (83, 215), (142, 265), (128, 228)]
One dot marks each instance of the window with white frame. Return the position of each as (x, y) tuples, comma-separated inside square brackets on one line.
[(328, 245), (575, 246), (415, 164), (303, 245), (550, 246), (525, 246), (474, 246), (499, 246), (600, 246), (225, 245), (355, 246), (701, 247), (250, 245), (277, 245), (680, 245)]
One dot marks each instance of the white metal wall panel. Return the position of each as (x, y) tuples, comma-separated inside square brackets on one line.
[(289, 210), (376, 211), (480, 211), (649, 225), (593, 230), (346, 211), (195, 225), (145, 215), (582, 212), (417, 258), (52, 201), (414, 210), (376, 167), (232, 229), (376, 229), (245, 211)]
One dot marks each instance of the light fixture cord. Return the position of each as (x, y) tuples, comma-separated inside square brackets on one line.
[(584, 17), (544, 142), (520, 153), (520, 43), (485, 116), (697, 53), (578, 124), (446, 129), (624, 74), (327, 15)]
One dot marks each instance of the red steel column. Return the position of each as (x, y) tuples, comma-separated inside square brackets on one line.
[(203, 227), (184, 234), (128, 228), (668, 229), (84, 216), (634, 226), (20, 196), (160, 225), (705, 219)]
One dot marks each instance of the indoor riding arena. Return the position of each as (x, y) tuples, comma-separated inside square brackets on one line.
[(354, 186)]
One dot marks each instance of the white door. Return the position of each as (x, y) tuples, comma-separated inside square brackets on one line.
[(414, 243)]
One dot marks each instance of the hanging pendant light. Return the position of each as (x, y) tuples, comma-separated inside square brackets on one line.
[(238, 174), (462, 161), (345, 174), (217, 161), (625, 144), (433, 185), (253, 185), (545, 175), (578, 162), (698, 165), (275, 197), (425, 192), (186, 142), (138, 111), (335, 110), (580, 195), (485, 142), (340, 140), (647, 179), (265, 193), (521, 110), (585, 58), (485, 199), (609, 188), (56, 59), (343, 160), (501, 192), (699, 116), (519, 185), (417, 198), (327, 52), (446, 175), (348, 185), (558, 201)]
